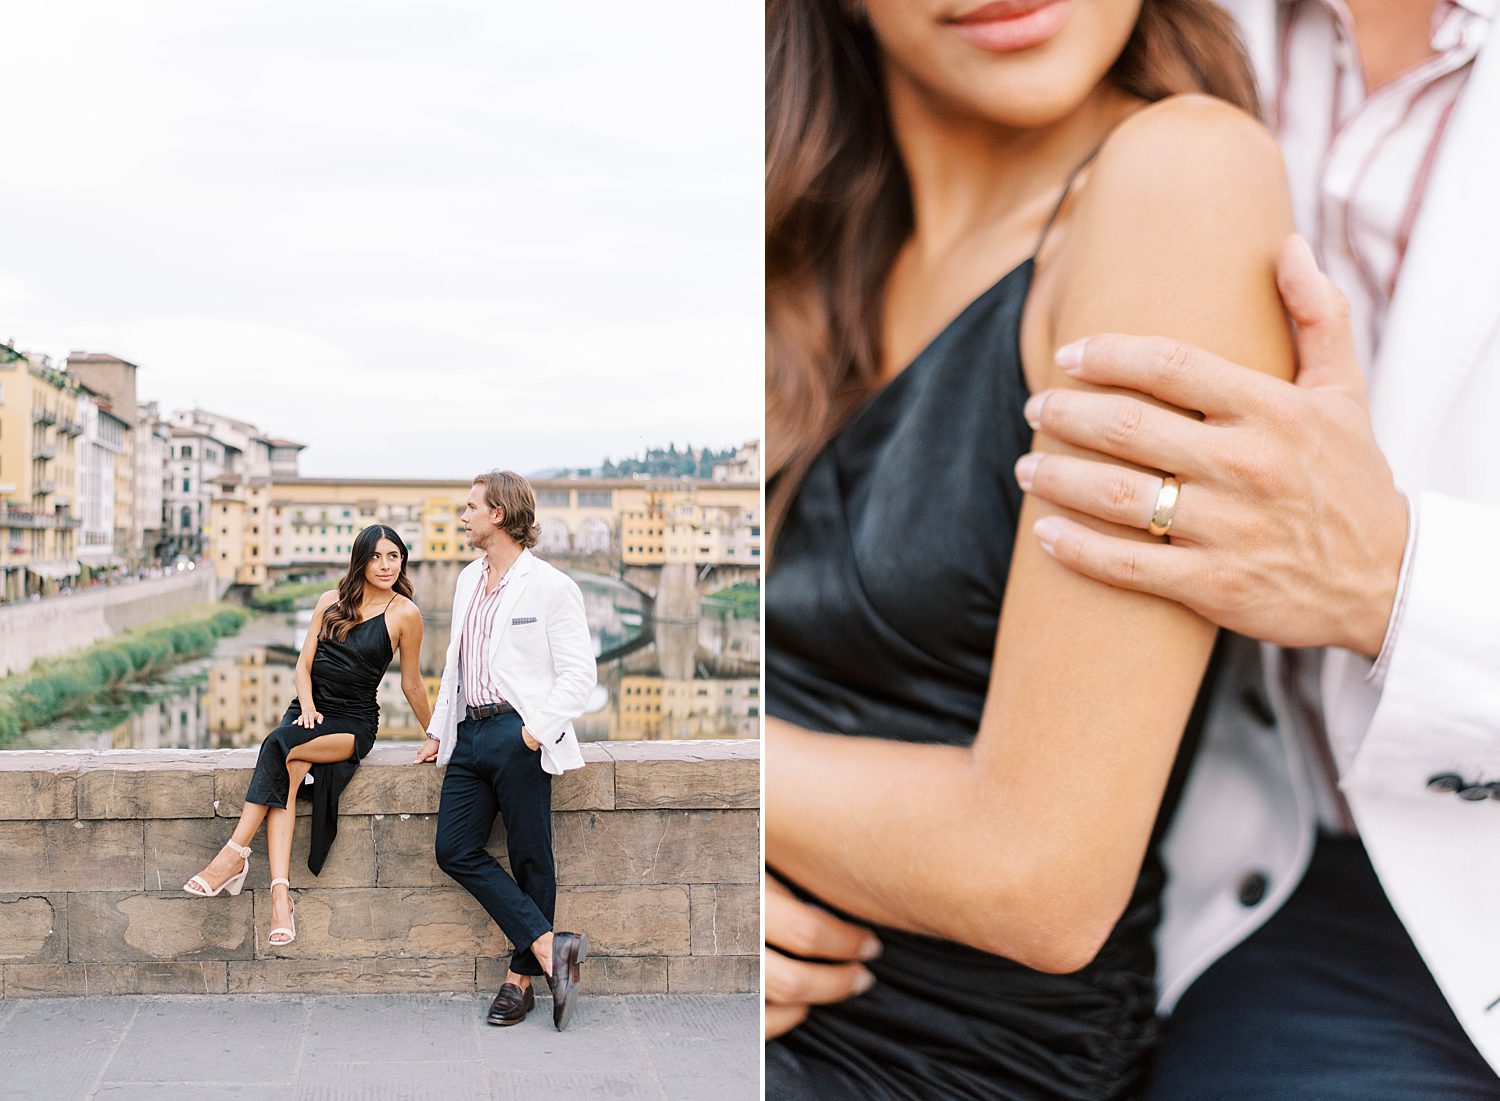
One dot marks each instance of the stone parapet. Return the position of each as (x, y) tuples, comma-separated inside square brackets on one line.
[(657, 849)]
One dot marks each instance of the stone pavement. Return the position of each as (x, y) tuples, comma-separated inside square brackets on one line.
[(376, 1047)]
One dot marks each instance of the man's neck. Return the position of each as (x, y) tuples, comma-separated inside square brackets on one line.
[(1394, 36), (502, 555)]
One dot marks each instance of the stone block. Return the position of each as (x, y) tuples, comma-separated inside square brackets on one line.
[(713, 974), (34, 928), (146, 790), (687, 775), (125, 928), (627, 921), (658, 846), (589, 788), (404, 851), (61, 855), (177, 849), (371, 976), (725, 920), (33, 786), (105, 979), (601, 974), (363, 923), (402, 788)]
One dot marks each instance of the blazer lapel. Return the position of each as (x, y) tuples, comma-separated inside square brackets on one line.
[(519, 575), (1448, 299)]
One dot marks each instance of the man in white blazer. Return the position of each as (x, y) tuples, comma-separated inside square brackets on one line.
[(1365, 533), (520, 668)]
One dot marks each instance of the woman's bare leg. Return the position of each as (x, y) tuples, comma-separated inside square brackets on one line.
[(227, 864), (280, 822)]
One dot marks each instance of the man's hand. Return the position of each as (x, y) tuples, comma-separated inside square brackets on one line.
[(1289, 527), (794, 985), (531, 743), (428, 752)]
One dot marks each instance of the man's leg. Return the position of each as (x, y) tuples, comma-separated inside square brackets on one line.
[(525, 793), (466, 814), (1329, 1000)]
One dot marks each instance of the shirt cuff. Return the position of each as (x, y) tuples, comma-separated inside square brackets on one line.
[(1376, 676)]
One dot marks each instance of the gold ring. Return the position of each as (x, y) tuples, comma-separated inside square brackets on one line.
[(1166, 506)]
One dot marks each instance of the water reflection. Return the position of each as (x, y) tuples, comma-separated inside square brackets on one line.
[(656, 681)]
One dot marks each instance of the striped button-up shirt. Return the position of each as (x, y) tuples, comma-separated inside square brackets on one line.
[(1358, 163), (479, 626)]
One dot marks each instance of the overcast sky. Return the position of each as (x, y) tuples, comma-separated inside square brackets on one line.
[(423, 238)]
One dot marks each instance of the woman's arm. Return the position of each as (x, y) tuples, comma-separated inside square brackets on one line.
[(1028, 844), (310, 717), (409, 646)]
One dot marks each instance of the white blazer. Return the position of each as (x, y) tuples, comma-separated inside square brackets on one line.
[(540, 654), (1248, 808)]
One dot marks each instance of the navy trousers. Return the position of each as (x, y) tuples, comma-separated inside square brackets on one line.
[(492, 771), (1328, 1001)]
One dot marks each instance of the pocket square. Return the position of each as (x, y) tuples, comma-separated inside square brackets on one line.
[(520, 620)]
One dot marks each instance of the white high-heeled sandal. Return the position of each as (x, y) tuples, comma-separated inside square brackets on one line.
[(234, 884), (289, 931)]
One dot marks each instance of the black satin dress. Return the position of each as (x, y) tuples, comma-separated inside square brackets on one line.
[(882, 608), (345, 677)]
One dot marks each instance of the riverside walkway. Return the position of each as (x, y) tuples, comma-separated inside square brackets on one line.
[(377, 1047)]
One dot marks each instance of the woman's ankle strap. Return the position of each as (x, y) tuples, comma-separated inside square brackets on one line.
[(243, 850), (282, 879)]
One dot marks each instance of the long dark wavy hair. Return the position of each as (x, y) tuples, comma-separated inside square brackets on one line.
[(838, 204), (348, 609)]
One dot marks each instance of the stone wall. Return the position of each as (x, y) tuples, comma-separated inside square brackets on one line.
[(658, 862), (59, 625)]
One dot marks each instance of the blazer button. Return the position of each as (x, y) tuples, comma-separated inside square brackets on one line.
[(1475, 793), (1252, 889), (1446, 782)]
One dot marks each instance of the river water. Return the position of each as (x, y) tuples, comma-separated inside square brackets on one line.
[(656, 681)]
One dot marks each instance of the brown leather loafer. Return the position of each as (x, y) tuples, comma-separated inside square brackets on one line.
[(568, 951), (511, 1005)]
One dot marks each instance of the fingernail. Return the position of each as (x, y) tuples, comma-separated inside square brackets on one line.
[(870, 949), (1033, 409), (863, 981), (1070, 356), (1047, 529), (1025, 468)]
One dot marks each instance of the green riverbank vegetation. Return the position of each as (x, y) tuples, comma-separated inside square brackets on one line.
[(742, 600), (54, 688)]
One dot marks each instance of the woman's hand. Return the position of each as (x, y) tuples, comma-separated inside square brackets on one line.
[(428, 752), (531, 743), (309, 718), (795, 985)]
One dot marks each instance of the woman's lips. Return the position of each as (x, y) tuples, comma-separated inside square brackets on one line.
[(1006, 25)]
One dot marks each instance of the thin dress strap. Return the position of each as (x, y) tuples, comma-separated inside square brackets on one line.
[(1066, 191), (391, 601)]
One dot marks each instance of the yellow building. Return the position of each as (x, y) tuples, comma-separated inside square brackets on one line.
[(38, 475), (310, 523), (237, 529), (705, 523)]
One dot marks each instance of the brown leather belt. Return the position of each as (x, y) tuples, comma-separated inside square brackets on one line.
[(489, 711)]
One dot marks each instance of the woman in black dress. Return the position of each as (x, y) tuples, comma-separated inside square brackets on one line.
[(957, 193), (356, 631)]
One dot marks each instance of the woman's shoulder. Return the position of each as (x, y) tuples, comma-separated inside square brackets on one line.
[(1187, 149), (326, 600), (404, 609)]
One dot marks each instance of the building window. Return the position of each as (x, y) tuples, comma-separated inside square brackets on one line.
[(595, 498), (552, 498), (186, 452), (186, 485)]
